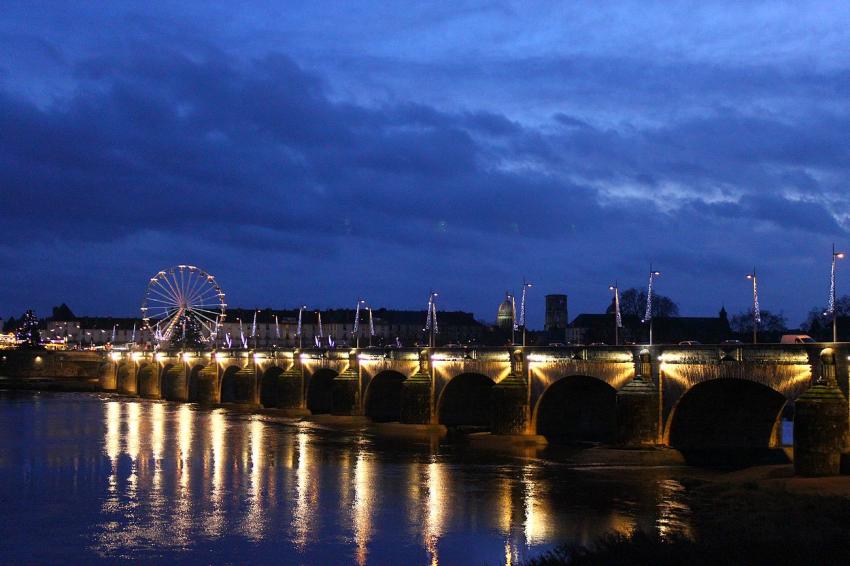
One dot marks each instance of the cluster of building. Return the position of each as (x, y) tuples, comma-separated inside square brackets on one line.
[(288, 328), (267, 328)]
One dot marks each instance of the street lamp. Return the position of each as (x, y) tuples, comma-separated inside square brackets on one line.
[(431, 318), (298, 330), (618, 320), (356, 330), (831, 308), (756, 309), (319, 340), (647, 317), (526, 285)]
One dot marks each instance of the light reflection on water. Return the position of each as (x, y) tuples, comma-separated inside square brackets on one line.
[(162, 481)]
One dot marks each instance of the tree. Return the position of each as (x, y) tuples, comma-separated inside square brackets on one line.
[(817, 320), (186, 334), (633, 303), (742, 323), (27, 332), (10, 325), (62, 312)]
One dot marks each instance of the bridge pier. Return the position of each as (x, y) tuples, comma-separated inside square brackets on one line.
[(290, 389), (126, 380), (821, 424), (345, 395), (638, 406), (175, 382), (108, 377), (205, 389), (637, 414), (416, 404), (509, 406)]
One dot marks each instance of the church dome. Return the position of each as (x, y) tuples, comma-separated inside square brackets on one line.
[(505, 318)]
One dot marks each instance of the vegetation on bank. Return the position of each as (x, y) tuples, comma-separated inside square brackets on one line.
[(732, 524)]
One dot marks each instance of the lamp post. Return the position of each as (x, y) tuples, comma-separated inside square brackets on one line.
[(647, 317), (356, 330), (756, 309), (618, 321), (514, 323), (298, 330), (526, 285), (321, 336), (431, 318), (832, 306)]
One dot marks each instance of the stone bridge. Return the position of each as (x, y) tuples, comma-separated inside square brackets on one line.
[(698, 399)]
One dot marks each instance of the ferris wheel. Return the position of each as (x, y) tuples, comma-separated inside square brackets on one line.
[(181, 295)]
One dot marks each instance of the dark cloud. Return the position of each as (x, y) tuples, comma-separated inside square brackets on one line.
[(169, 145)]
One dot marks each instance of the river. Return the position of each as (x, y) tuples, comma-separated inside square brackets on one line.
[(93, 478)]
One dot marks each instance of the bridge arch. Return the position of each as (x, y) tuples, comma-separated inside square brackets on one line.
[(228, 387), (320, 397), (383, 396), (148, 380), (727, 421), (270, 387), (577, 408), (466, 401)]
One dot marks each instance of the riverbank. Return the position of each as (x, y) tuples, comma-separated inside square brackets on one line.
[(757, 515), (37, 383)]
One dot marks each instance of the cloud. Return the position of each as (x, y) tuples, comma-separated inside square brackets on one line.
[(463, 170)]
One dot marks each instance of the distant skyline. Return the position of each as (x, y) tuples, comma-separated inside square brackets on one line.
[(317, 152)]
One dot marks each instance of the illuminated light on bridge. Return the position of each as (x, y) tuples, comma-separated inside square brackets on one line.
[(254, 524), (363, 505), (305, 493), (218, 447), (157, 440), (436, 507), (510, 389)]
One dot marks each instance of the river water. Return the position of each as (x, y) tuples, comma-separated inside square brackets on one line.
[(87, 478)]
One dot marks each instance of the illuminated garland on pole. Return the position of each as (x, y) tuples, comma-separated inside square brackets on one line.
[(525, 287), (431, 318), (831, 307), (756, 307), (618, 319), (647, 317), (355, 333), (318, 339), (242, 337)]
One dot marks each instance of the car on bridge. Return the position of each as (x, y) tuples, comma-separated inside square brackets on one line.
[(796, 339)]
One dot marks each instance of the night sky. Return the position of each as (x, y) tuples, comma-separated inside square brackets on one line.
[(314, 152)]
